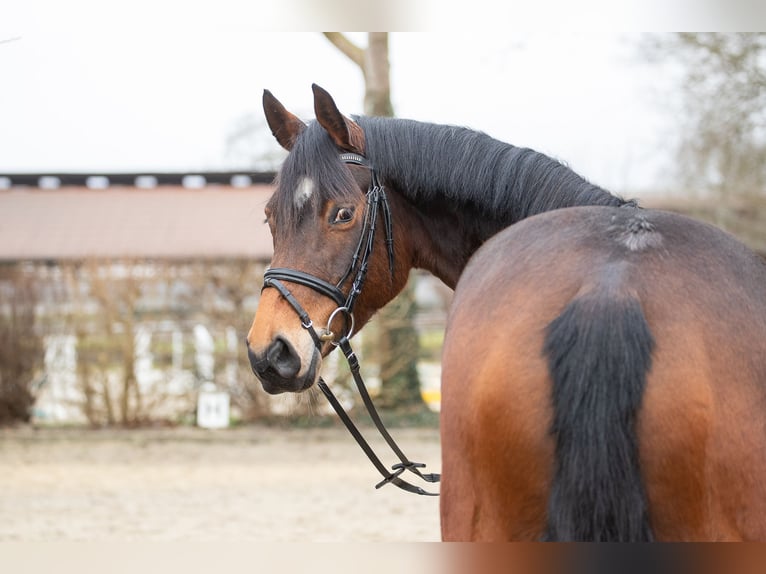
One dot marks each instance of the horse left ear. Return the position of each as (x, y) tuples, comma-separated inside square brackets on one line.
[(285, 126), (347, 134)]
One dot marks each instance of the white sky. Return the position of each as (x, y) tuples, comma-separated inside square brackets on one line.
[(159, 88)]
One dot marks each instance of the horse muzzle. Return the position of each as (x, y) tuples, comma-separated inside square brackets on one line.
[(279, 368)]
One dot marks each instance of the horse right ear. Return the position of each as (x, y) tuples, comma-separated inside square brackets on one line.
[(286, 127), (346, 133)]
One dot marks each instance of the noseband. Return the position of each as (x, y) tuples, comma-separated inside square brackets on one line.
[(376, 202)]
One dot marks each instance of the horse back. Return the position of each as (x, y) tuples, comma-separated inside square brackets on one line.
[(605, 379)]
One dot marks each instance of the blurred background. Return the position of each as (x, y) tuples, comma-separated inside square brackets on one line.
[(135, 163)]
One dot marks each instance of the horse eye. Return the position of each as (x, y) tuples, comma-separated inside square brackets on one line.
[(343, 215)]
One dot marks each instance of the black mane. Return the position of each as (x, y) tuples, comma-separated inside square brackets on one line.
[(430, 162)]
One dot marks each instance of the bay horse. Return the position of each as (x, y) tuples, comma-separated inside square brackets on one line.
[(604, 366)]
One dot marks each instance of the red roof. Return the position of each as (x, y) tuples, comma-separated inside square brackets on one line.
[(160, 223)]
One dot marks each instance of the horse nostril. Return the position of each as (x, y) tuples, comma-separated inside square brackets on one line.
[(256, 363), (283, 359)]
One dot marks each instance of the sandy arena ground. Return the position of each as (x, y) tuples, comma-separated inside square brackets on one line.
[(189, 484)]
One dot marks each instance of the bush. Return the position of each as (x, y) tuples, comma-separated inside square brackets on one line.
[(21, 347)]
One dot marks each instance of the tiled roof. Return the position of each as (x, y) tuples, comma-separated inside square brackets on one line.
[(167, 222)]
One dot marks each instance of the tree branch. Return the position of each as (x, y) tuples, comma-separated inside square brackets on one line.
[(349, 49)]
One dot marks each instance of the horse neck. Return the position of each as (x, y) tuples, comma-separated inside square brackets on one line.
[(460, 187), (437, 237)]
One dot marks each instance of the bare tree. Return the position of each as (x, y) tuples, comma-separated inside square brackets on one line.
[(249, 145), (721, 156), (374, 64), (397, 343), (21, 345), (234, 282), (723, 144)]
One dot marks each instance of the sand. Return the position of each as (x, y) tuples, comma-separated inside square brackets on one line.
[(188, 484)]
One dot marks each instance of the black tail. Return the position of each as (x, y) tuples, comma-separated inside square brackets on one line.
[(599, 352)]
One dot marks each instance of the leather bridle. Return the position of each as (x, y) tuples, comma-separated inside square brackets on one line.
[(377, 203)]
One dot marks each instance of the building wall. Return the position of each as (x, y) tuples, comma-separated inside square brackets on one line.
[(130, 342)]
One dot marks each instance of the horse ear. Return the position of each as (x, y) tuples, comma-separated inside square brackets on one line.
[(347, 134), (285, 126)]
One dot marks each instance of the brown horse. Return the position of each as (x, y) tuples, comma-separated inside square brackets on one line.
[(604, 367)]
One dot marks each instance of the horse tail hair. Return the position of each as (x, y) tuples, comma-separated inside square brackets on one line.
[(599, 353)]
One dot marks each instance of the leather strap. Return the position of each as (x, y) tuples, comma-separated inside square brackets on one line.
[(376, 197), (315, 283), (306, 322), (353, 364), (388, 477)]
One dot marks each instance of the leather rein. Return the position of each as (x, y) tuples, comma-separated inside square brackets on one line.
[(377, 202)]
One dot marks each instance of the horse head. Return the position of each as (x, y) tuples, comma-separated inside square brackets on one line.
[(323, 218)]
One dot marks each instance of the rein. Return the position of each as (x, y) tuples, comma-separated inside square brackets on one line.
[(376, 202)]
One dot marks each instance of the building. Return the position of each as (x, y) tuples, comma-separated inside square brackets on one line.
[(69, 217), (143, 284)]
